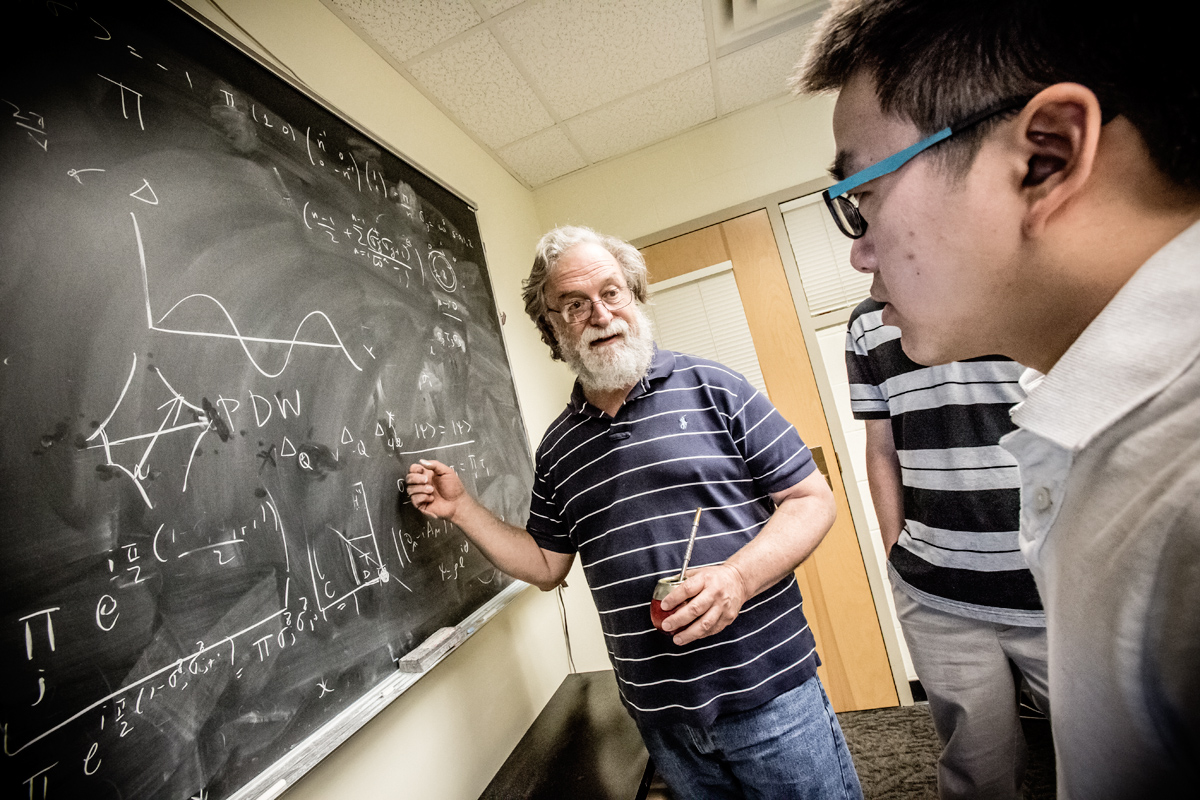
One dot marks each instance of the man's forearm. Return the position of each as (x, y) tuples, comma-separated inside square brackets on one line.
[(789, 537), (884, 476), (510, 548)]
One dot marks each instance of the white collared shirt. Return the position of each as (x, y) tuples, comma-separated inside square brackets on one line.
[(1108, 444)]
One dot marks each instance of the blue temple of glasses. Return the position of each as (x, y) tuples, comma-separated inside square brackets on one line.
[(889, 164)]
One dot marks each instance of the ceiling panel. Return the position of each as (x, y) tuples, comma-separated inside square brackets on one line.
[(761, 71), (494, 7), (581, 55), (551, 86), (407, 28), (474, 79), (649, 116), (542, 157)]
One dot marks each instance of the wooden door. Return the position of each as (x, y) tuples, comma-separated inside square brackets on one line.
[(833, 580)]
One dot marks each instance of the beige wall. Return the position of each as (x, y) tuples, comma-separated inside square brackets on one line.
[(757, 151), (448, 735)]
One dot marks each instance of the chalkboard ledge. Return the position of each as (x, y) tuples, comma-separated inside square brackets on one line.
[(286, 771)]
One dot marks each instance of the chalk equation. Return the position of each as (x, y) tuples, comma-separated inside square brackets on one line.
[(230, 322)]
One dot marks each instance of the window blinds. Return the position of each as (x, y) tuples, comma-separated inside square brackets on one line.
[(823, 257), (701, 313)]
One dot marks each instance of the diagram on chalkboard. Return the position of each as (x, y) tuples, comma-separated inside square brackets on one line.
[(229, 322), (367, 566), (204, 419), (291, 344)]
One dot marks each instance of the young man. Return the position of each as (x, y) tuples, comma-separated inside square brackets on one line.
[(1023, 178), (728, 701), (948, 501)]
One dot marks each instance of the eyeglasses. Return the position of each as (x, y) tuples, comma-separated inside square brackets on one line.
[(844, 206), (579, 309)]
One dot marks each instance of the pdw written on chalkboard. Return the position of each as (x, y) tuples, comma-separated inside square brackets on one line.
[(228, 322)]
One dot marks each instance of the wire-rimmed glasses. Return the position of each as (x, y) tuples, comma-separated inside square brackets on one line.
[(578, 309)]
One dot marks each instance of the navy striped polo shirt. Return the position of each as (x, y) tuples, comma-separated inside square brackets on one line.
[(959, 549), (622, 493)]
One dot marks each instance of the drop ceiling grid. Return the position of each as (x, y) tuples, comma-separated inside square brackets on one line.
[(552, 86), (582, 55), (476, 81), (651, 115)]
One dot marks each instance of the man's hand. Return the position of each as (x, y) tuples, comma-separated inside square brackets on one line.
[(435, 489), (712, 597), (708, 601)]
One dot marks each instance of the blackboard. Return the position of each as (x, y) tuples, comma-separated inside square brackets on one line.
[(229, 320)]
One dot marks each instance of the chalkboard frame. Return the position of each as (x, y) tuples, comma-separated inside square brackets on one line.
[(285, 772)]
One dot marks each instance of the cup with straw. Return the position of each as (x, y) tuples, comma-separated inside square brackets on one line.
[(665, 585)]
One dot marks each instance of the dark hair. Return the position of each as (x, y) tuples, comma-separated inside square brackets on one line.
[(551, 248), (937, 61)]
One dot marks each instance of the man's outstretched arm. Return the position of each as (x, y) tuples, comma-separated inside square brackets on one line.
[(437, 491)]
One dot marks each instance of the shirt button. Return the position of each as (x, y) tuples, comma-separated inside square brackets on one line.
[(1041, 499)]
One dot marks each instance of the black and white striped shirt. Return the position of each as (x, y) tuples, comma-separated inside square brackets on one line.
[(622, 492), (959, 548)]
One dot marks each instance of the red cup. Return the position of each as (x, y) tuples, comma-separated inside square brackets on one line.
[(661, 590)]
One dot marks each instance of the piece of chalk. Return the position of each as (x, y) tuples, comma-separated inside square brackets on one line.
[(275, 790), (430, 650)]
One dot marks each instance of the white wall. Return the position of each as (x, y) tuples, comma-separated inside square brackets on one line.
[(755, 152), (448, 735)]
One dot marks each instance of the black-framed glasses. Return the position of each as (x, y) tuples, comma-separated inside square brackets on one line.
[(578, 309), (844, 207)]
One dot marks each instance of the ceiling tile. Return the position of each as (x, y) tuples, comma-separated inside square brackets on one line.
[(407, 28), (474, 79), (646, 117), (543, 157), (494, 7), (759, 71), (582, 54)]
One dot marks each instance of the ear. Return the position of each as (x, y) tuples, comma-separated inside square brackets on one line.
[(1059, 133)]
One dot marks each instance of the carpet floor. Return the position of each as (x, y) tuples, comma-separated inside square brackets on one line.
[(895, 752)]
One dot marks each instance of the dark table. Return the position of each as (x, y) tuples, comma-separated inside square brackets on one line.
[(584, 746)]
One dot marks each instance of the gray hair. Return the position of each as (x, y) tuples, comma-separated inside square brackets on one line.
[(551, 248)]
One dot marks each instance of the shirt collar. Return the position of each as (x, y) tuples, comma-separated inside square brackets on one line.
[(1141, 341), (662, 364)]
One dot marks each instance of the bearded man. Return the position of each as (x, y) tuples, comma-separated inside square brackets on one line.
[(728, 701)]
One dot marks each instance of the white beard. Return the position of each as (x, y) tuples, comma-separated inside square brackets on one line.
[(615, 367)]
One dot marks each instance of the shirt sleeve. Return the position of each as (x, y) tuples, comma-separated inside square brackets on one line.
[(774, 453), (545, 524), (868, 398)]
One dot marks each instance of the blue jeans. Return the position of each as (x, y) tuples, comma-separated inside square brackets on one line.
[(792, 747)]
